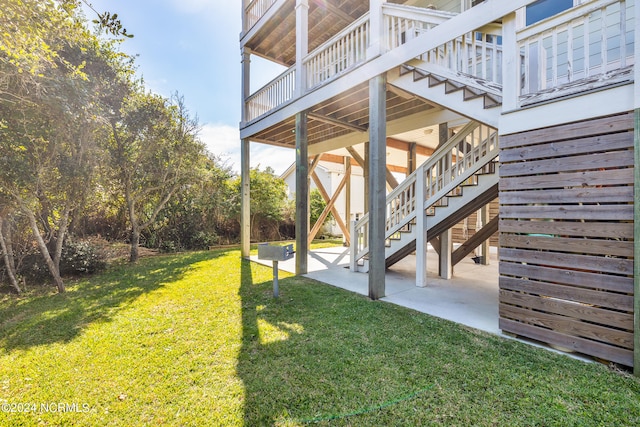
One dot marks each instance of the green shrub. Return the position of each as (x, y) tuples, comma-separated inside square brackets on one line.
[(81, 257), (78, 257)]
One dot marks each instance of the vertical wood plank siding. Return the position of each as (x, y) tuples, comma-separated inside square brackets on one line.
[(566, 236)]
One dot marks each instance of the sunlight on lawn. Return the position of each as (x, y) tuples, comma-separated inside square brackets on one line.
[(166, 355), (270, 333), (198, 340)]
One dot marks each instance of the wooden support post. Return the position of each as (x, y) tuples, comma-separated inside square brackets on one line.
[(302, 193), (485, 247), (302, 44), (510, 64), (412, 158), (376, 24), (445, 269), (245, 208), (245, 149), (246, 82), (347, 198), (377, 188), (245, 22), (366, 176), (421, 233)]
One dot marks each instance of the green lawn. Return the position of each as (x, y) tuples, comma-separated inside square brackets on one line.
[(197, 340)]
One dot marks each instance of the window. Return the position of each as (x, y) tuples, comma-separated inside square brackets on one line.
[(545, 8)]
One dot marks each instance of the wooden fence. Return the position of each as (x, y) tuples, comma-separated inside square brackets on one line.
[(566, 236)]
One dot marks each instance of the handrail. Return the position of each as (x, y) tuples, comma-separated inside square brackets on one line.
[(476, 54), (272, 95), (338, 54), (450, 166), (403, 23), (256, 10)]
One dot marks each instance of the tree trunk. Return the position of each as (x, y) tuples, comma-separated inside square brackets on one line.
[(135, 228), (8, 260), (135, 242), (55, 272), (62, 231)]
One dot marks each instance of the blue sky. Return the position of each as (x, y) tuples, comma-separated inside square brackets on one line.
[(192, 46)]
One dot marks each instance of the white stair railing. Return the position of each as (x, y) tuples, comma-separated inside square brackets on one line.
[(403, 23), (472, 148), (477, 53)]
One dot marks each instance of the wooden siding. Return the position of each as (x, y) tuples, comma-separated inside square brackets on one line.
[(566, 236)]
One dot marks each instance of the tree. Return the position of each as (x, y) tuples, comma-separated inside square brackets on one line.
[(152, 150), (268, 202), (7, 247), (53, 73), (199, 216), (317, 204)]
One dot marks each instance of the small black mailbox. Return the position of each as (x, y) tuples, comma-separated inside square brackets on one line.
[(275, 253)]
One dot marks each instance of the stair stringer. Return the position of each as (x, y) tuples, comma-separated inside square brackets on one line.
[(454, 168), (472, 107), (458, 208)]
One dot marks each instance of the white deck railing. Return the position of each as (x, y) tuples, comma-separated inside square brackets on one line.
[(256, 10), (339, 54), (587, 41), (475, 54), (592, 39), (279, 91), (404, 23), (450, 166)]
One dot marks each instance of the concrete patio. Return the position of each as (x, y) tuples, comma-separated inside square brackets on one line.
[(470, 298)]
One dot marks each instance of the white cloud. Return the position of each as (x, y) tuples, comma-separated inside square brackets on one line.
[(224, 140), (268, 155)]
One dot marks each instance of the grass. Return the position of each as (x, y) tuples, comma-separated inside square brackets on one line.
[(198, 340)]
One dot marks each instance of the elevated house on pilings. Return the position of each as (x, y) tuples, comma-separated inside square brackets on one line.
[(534, 105)]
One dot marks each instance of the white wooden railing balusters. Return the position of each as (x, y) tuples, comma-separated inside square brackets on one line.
[(339, 54), (450, 166), (586, 41), (256, 10), (279, 91)]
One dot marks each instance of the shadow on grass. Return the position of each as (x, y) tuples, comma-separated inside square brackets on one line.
[(58, 318), (318, 353)]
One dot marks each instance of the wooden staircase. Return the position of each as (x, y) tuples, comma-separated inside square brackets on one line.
[(491, 100), (458, 179), (477, 98), (438, 221), (461, 176)]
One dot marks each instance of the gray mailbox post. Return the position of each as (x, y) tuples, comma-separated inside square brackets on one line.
[(275, 254)]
